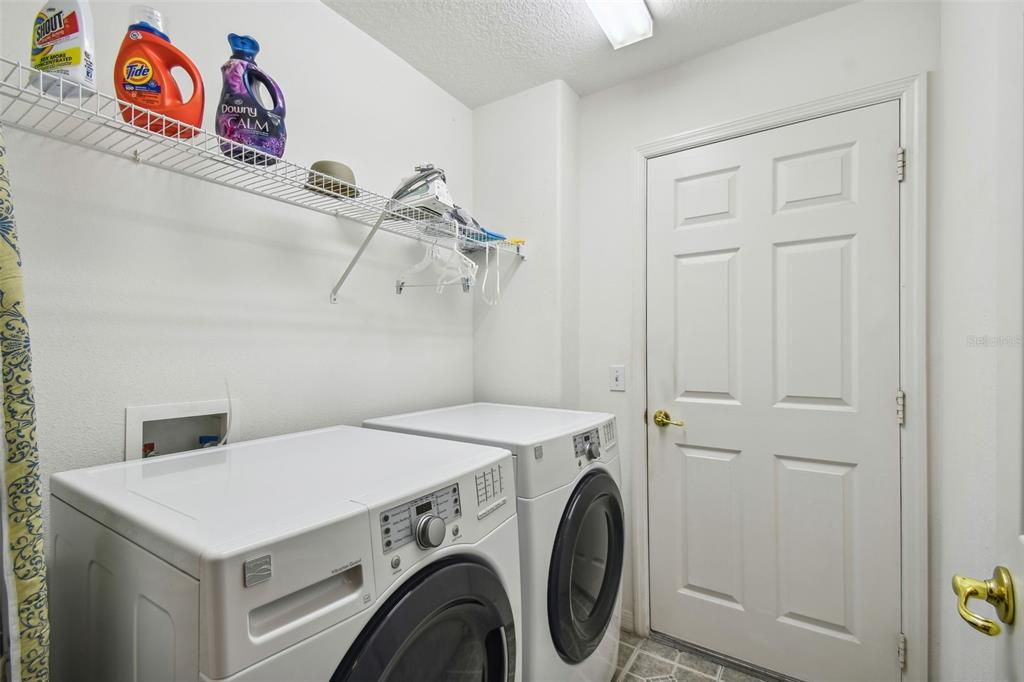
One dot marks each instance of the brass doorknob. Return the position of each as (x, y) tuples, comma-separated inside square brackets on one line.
[(663, 418), (998, 592)]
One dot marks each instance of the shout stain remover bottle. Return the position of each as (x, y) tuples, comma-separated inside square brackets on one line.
[(143, 79), (62, 46)]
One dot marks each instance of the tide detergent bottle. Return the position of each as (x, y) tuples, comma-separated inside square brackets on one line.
[(241, 117), (143, 79)]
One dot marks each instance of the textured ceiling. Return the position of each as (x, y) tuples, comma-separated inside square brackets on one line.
[(483, 50)]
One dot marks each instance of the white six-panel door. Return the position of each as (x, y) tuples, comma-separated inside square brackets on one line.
[(773, 331)]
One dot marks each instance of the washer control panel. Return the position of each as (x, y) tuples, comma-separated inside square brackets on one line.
[(587, 444), (398, 525)]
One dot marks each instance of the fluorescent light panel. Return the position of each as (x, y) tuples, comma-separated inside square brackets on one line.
[(623, 21)]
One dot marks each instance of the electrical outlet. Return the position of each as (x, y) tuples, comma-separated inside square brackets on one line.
[(617, 378)]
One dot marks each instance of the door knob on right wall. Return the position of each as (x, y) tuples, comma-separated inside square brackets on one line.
[(998, 591), (663, 418)]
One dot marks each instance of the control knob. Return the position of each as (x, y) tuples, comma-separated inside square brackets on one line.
[(430, 531), (593, 451)]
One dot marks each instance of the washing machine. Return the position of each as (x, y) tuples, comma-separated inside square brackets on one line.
[(571, 527), (340, 555)]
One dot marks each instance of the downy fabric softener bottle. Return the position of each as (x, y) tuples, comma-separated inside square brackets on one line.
[(241, 116)]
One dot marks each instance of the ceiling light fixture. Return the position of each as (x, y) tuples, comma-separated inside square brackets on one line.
[(624, 21)]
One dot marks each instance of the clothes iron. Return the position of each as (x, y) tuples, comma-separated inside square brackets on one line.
[(426, 190)]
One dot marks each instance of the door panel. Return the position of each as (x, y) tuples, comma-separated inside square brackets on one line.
[(712, 544), (813, 330), (773, 331), (814, 178), (706, 366), (706, 198), (815, 550)]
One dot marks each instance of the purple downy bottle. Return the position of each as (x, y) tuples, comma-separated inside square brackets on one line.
[(241, 116)]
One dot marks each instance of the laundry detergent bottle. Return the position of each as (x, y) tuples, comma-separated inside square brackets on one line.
[(143, 78), (62, 45), (242, 117)]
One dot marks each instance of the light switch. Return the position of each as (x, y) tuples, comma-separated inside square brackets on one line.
[(617, 378)]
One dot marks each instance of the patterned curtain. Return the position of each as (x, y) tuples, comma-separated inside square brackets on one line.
[(27, 623)]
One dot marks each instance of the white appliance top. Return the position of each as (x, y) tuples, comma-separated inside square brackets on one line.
[(492, 423), (215, 501)]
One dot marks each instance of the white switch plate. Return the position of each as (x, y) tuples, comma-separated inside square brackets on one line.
[(617, 378)]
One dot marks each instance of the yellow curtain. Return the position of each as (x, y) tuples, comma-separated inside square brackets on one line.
[(27, 624)]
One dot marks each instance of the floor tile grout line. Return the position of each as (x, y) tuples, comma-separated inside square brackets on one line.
[(638, 648), (699, 673), (629, 663), (716, 676), (719, 676), (661, 658), (629, 660)]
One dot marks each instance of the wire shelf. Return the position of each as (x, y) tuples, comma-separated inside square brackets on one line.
[(48, 105)]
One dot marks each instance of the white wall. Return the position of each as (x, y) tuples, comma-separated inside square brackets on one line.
[(147, 287), (524, 151)]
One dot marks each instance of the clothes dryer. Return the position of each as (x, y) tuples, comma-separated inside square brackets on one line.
[(571, 526)]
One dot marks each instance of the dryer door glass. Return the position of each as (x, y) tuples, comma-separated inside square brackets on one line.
[(586, 567), (589, 562), (451, 622)]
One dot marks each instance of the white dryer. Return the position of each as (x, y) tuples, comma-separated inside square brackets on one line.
[(571, 527), (339, 555)]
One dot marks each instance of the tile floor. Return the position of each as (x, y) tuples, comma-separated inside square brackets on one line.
[(645, 659)]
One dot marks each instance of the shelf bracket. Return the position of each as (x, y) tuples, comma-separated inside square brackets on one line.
[(355, 258)]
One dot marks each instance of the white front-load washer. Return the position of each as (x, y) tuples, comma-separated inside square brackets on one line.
[(571, 527), (341, 555)]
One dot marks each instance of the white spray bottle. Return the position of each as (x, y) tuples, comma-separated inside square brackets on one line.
[(62, 45)]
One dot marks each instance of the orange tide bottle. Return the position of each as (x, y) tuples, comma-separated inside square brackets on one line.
[(143, 79)]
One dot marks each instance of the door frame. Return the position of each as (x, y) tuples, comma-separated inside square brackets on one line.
[(911, 93)]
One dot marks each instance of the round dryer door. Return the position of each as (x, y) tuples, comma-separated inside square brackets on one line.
[(451, 622), (586, 567)]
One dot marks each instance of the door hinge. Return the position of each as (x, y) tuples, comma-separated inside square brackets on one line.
[(901, 650), (901, 406), (901, 164)]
